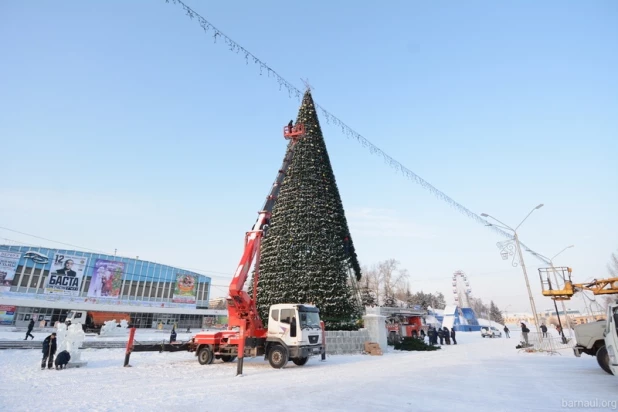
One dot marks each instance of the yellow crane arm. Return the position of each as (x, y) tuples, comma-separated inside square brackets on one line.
[(599, 287), (607, 286)]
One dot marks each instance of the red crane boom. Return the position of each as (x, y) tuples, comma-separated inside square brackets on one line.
[(242, 309)]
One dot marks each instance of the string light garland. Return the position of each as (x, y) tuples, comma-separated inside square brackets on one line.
[(345, 129)]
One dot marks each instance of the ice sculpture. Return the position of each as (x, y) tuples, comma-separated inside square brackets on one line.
[(111, 328), (70, 340)]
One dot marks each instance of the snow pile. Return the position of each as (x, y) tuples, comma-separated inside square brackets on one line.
[(111, 328)]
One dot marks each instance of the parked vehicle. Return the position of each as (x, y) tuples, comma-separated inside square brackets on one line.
[(598, 339), (93, 321), (402, 323), (490, 332), (611, 338)]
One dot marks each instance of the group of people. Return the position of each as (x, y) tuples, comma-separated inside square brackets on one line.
[(49, 350), (442, 334)]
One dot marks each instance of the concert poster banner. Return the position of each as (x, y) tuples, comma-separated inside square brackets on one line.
[(185, 288), (66, 274), (106, 279), (8, 264), (7, 314)]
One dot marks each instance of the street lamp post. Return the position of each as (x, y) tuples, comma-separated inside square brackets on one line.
[(568, 322), (523, 265)]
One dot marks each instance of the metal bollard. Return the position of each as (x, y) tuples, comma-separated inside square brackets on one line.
[(129, 348), (323, 340)]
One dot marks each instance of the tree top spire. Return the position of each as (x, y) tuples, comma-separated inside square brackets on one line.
[(307, 85)]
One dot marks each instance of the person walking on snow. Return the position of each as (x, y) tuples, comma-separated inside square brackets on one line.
[(173, 335), (453, 336), (506, 331), (29, 332), (524, 332), (544, 330), (49, 350)]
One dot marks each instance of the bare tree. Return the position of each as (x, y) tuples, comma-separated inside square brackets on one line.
[(608, 300), (478, 306), (402, 292), (612, 266), (371, 282), (386, 281), (367, 290), (387, 272), (612, 269), (425, 300)]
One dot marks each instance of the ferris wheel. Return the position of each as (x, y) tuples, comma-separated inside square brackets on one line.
[(461, 289)]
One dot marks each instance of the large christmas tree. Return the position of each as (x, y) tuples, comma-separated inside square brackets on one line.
[(307, 253)]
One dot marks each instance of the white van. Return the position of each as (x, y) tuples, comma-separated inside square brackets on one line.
[(490, 332)]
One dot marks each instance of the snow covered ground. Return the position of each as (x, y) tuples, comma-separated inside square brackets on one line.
[(477, 374)]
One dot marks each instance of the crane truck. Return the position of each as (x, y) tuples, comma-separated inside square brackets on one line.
[(598, 339), (294, 331)]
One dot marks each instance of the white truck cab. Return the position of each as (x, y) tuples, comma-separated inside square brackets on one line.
[(76, 316), (611, 338), (297, 329)]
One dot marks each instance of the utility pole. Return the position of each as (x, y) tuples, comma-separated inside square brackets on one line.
[(532, 305), (505, 255)]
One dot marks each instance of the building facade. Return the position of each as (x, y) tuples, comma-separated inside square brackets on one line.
[(548, 317), (44, 284)]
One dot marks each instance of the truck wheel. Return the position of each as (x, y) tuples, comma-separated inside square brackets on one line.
[(278, 356), (300, 361), (204, 356), (603, 359), (228, 358)]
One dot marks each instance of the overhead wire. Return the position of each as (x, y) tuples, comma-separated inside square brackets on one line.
[(345, 129)]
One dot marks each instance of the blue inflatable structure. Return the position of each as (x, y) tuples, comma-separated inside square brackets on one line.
[(460, 319)]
